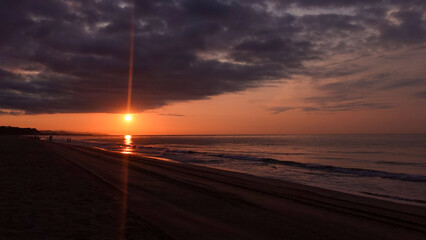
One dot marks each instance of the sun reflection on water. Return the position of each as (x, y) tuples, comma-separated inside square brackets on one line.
[(127, 148)]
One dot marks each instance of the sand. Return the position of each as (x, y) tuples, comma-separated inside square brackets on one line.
[(61, 191), (45, 197)]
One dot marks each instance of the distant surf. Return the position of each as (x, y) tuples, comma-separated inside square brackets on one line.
[(318, 167), (385, 166)]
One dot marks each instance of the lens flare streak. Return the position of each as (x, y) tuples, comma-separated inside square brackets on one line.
[(128, 138)]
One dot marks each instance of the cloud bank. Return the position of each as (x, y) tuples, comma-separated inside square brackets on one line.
[(71, 56)]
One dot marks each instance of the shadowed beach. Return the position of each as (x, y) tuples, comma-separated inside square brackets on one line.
[(61, 191)]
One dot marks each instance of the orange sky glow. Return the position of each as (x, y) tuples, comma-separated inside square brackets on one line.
[(237, 113)]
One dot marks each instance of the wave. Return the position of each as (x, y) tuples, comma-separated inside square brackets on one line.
[(314, 167), (328, 168), (368, 173), (396, 197), (310, 166), (395, 163), (355, 152)]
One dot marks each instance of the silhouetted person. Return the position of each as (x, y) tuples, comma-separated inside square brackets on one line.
[(50, 138)]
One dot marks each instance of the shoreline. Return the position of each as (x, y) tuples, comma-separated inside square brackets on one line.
[(300, 185), (394, 199), (191, 202), (401, 178)]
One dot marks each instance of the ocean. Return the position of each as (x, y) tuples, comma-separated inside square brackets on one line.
[(390, 167)]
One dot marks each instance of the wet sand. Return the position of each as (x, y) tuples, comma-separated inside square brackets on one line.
[(61, 191)]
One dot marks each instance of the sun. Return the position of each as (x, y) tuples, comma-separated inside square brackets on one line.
[(128, 117)]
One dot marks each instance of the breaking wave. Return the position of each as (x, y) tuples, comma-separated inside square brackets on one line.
[(314, 167)]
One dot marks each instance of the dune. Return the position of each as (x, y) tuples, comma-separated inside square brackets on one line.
[(63, 191)]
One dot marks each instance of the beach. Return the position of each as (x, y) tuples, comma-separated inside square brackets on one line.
[(62, 191), (390, 167)]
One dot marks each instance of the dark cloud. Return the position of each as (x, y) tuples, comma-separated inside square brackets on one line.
[(171, 114), (331, 23), (358, 91), (338, 71), (72, 56), (382, 81), (408, 27), (285, 52), (277, 110), (342, 107), (347, 3), (420, 94), (338, 3), (350, 106)]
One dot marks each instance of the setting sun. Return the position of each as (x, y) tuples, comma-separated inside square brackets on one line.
[(128, 117)]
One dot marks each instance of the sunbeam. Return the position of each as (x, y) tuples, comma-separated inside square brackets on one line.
[(128, 118)]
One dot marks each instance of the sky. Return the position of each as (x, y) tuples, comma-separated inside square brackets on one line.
[(215, 66)]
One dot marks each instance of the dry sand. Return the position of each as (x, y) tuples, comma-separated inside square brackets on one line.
[(59, 191), (45, 197)]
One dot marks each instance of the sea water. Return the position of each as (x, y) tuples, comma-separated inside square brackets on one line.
[(383, 166)]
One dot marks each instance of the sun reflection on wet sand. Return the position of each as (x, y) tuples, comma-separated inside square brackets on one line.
[(125, 176), (127, 147)]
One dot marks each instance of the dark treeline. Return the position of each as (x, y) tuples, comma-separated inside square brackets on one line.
[(7, 130)]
